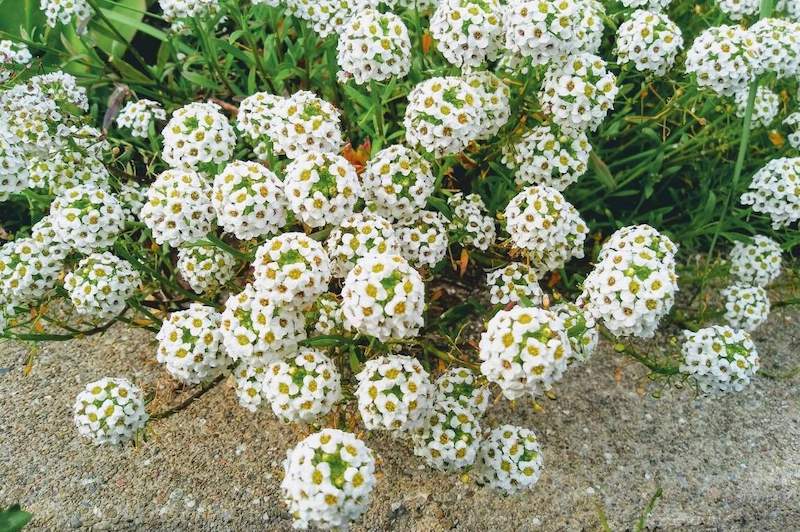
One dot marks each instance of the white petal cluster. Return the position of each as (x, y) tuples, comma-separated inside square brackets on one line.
[(383, 296), (65, 11), (190, 344), (720, 359), (394, 393), (757, 263), (546, 227), (328, 479), (468, 32), (258, 120), (494, 102), (249, 385), (780, 45), (524, 351), (514, 283), (206, 268), (326, 316), (249, 200), (581, 330), (397, 182), (110, 411), (469, 224), (590, 30), (510, 459), (649, 40), (443, 115), (461, 386), (132, 197), (548, 155), (137, 116), (357, 236), (178, 209), (746, 307), (793, 123), (724, 59), (178, 12), (13, 167), (544, 31), (322, 188), (739, 9), (101, 284), (13, 53), (44, 234), (305, 124), (652, 5), (329, 17), (449, 438), (579, 93), (28, 269), (198, 135), (302, 388), (374, 46), (635, 237), (766, 107), (87, 218), (67, 168), (775, 191), (292, 269), (423, 238)]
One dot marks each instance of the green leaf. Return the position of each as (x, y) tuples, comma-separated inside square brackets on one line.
[(21, 14), (602, 172), (14, 518)]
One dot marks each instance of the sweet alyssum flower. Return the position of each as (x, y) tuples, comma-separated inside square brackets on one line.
[(65, 11), (13, 167), (719, 359), (67, 168), (325, 316), (543, 31), (180, 12), (303, 387), (651, 41), (514, 283), (766, 106), (249, 385), (652, 5), (28, 269), (494, 97), (110, 411), (87, 218), (132, 197), (397, 182), (746, 307), (581, 330), (12, 53), (724, 59), (357, 236), (448, 440), (258, 120), (139, 115), (757, 263), (509, 459), (468, 32), (462, 386), (205, 268), (793, 123), (780, 45), (423, 238), (305, 124), (739, 9), (198, 135), (329, 17), (374, 46), (101, 284), (469, 224), (775, 191), (590, 30)]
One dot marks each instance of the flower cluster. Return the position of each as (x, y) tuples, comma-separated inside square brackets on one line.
[(326, 316), (461, 385), (292, 269), (14, 53), (449, 438), (139, 115), (303, 124), (132, 197), (198, 135), (65, 11), (581, 330), (205, 268), (249, 385), (746, 307), (357, 236), (423, 238), (322, 188), (766, 106), (258, 120), (544, 31), (468, 32), (720, 359), (494, 102), (329, 17), (101, 284), (87, 218), (651, 41), (724, 59), (775, 191), (67, 168), (739, 9), (180, 12), (302, 388), (13, 167), (757, 263), (510, 459), (28, 270), (110, 411), (793, 123), (780, 45), (374, 47), (469, 224), (189, 344), (397, 182), (514, 283)]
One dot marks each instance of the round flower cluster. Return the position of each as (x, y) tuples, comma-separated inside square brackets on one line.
[(581, 330), (302, 388), (460, 385), (724, 59), (547, 155), (443, 115), (383, 296), (178, 12), (546, 227), (326, 315), (206, 268), (196, 136), (13, 167), (249, 385), (178, 209), (322, 188), (66, 11), (374, 47), (579, 93), (766, 106), (590, 30), (449, 438), (739, 9), (509, 459), (249, 200), (189, 344), (423, 238), (652, 5), (746, 307), (87, 218), (515, 283), (394, 393), (28, 269), (101, 284), (720, 359), (544, 31), (468, 32), (469, 224), (494, 106), (328, 478), (651, 41), (257, 331), (292, 269), (65, 169), (110, 411), (329, 17), (524, 351), (14, 53), (258, 120), (635, 237), (780, 46), (44, 234), (397, 182), (793, 123), (137, 116), (132, 197), (357, 236), (757, 263), (303, 123), (775, 191)]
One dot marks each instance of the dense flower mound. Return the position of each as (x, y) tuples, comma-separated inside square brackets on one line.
[(249, 385), (305, 124), (13, 167), (443, 115), (766, 106), (653, 5), (546, 227), (110, 411), (292, 269), (138, 116), (326, 316), (12, 56), (494, 95), (651, 41), (394, 393), (302, 388), (543, 31), (178, 209), (719, 359), (397, 182), (590, 30), (65, 11), (329, 17), (514, 283), (739, 9), (28, 270), (44, 234), (547, 155), (67, 168), (384, 297), (206, 268), (449, 438), (746, 307), (581, 330), (249, 200), (374, 46), (101, 284), (357, 236), (635, 237), (196, 136), (132, 196), (469, 223), (181, 12), (793, 123), (757, 263), (328, 479), (423, 238), (468, 32), (775, 191), (724, 59), (258, 121), (87, 218), (524, 351), (780, 45), (462, 386), (510, 459)]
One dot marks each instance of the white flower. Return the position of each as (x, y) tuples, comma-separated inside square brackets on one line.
[(544, 31), (206, 268), (304, 124), (329, 17), (67, 168), (590, 30), (766, 106), (651, 41), (470, 225), (249, 385), (12, 53), (101, 284), (137, 116), (423, 238), (524, 351), (87, 218), (449, 438), (258, 120), (793, 123), (725, 59), (397, 182), (468, 32), (322, 188), (494, 104), (326, 316), (374, 47), (635, 237), (302, 388), (739, 9), (509, 459), (746, 307), (359, 235), (28, 269), (110, 411), (581, 330), (757, 263), (461, 385), (652, 5), (66, 11), (13, 167), (719, 359), (178, 12), (197, 136), (44, 234), (514, 283), (780, 45), (775, 191), (328, 479), (132, 197)]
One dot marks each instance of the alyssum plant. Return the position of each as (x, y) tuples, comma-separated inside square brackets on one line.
[(552, 145)]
